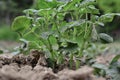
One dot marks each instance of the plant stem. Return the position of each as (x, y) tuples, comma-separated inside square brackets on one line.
[(86, 26), (40, 39), (85, 37), (82, 48), (50, 48), (59, 33)]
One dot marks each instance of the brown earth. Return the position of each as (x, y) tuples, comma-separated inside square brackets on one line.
[(33, 67)]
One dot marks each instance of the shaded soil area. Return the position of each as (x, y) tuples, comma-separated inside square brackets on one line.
[(30, 67)]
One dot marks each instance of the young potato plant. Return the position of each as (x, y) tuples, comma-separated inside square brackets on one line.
[(61, 29)]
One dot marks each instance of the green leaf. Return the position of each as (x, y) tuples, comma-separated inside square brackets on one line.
[(71, 47), (30, 11), (71, 5), (105, 38), (92, 9), (99, 23), (115, 59), (44, 4), (34, 45), (44, 12), (108, 17), (21, 23), (54, 43), (71, 24), (46, 35), (100, 66), (24, 41), (89, 9), (60, 59), (94, 34), (85, 3)]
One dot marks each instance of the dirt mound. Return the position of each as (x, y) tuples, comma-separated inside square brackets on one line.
[(33, 67)]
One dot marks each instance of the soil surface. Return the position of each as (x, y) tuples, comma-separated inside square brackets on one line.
[(30, 67), (8, 46), (34, 66)]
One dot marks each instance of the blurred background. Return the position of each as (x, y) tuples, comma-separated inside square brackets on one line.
[(9, 9)]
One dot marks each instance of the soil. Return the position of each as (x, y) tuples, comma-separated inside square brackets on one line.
[(8, 46), (33, 67)]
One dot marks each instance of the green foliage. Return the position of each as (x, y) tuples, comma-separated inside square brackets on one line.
[(21, 24), (115, 59), (43, 4), (61, 29), (106, 38)]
